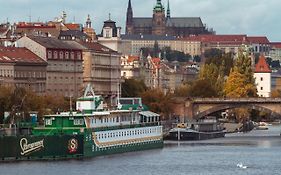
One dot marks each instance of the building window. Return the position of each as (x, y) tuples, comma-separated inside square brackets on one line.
[(261, 88), (78, 56), (261, 78), (49, 54), (72, 55), (107, 34), (55, 55), (61, 54), (66, 55)]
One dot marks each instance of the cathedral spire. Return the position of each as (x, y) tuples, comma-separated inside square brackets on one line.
[(129, 5), (168, 10), (129, 20)]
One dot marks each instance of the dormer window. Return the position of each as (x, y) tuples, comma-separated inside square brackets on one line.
[(49, 54), (107, 35)]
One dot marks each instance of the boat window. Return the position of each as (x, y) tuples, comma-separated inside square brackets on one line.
[(48, 122), (78, 122)]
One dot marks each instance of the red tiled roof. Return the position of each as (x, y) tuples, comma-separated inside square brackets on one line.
[(71, 26), (258, 39), (18, 55), (156, 62), (262, 66), (97, 47), (276, 44), (34, 25), (218, 38), (132, 58)]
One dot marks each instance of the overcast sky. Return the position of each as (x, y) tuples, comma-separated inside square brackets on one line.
[(252, 17)]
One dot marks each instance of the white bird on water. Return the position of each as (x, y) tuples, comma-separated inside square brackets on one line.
[(240, 165)]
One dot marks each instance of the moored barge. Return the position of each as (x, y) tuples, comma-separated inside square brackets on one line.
[(89, 131)]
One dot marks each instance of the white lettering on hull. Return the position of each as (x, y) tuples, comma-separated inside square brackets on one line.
[(30, 147)]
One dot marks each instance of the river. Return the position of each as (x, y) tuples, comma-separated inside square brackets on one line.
[(259, 150)]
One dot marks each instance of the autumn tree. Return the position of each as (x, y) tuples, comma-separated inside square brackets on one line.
[(182, 91), (237, 86)]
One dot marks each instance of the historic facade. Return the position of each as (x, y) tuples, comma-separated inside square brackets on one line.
[(64, 58), (164, 24), (19, 67)]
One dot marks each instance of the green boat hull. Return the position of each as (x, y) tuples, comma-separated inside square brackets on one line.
[(56, 147)]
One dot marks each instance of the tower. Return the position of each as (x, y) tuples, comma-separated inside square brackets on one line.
[(89, 30), (129, 20), (168, 10), (159, 19), (88, 22), (263, 77)]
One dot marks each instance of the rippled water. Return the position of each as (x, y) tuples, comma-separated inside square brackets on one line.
[(260, 151)]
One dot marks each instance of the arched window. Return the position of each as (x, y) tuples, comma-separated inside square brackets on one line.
[(61, 54), (66, 55), (72, 55), (55, 55), (49, 54)]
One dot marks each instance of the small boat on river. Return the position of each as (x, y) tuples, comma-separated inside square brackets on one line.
[(204, 129)]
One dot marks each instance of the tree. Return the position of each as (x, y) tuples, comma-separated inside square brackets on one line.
[(197, 59), (158, 102), (213, 53), (133, 88), (182, 91), (202, 88), (243, 64), (237, 86), (214, 75)]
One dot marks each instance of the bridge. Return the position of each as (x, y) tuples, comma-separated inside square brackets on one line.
[(195, 108)]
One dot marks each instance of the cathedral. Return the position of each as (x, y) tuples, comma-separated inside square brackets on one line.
[(162, 23)]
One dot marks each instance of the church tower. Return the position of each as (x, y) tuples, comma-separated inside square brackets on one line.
[(129, 20), (159, 19)]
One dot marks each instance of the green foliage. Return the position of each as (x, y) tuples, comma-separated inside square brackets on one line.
[(173, 55), (197, 59), (167, 53), (213, 54), (202, 88), (133, 88), (243, 65), (158, 102), (214, 75)]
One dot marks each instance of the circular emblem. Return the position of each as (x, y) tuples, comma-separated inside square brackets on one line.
[(72, 145)]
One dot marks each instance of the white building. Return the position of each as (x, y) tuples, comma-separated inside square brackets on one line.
[(263, 77), (111, 35)]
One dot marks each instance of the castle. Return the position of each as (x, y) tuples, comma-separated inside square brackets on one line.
[(164, 24)]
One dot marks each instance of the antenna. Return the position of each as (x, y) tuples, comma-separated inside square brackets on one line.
[(109, 15), (29, 15), (119, 106)]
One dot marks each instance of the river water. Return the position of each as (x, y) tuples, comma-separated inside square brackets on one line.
[(260, 151)]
